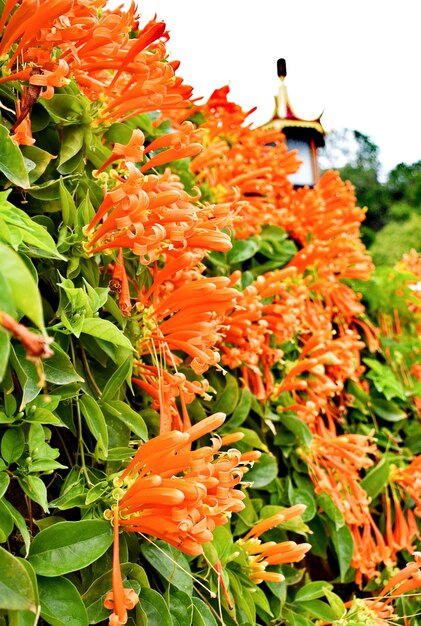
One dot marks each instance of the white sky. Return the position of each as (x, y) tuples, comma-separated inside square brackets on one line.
[(358, 60)]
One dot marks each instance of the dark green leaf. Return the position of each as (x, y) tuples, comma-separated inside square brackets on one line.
[(300, 496), (96, 423), (181, 608), (155, 608), (12, 444), (67, 109), (344, 548), (387, 410), (241, 411), (117, 379), (72, 142), (69, 546), (58, 369), (123, 412), (20, 524), (61, 604), (377, 478), (297, 426), (169, 563), (263, 472), (243, 249), (202, 615), (227, 400), (6, 522)]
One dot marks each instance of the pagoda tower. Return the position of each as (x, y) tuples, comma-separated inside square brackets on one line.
[(305, 136)]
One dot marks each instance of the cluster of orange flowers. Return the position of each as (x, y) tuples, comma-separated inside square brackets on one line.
[(168, 490), (50, 42), (177, 494)]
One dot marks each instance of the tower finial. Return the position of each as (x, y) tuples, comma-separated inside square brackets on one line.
[(282, 68)]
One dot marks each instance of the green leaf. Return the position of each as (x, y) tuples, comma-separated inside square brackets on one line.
[(241, 411), (96, 423), (4, 483), (17, 592), (34, 487), (336, 603), (71, 144), (376, 478), (4, 352), (243, 249), (313, 590), (202, 615), (117, 379), (387, 410), (169, 563), (227, 400), (58, 369), (25, 295), (6, 522), (263, 472), (69, 546), (318, 609), (300, 496), (20, 524), (155, 608), (67, 109), (181, 608), (11, 160), (32, 238), (12, 445), (61, 604), (40, 158), (27, 374), (297, 426), (103, 329), (344, 547), (123, 412), (68, 207)]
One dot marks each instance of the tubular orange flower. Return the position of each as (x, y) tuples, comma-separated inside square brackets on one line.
[(119, 599), (260, 555)]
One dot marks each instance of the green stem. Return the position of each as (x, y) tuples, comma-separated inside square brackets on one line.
[(81, 444)]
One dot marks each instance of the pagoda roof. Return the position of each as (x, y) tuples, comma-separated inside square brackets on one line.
[(284, 116)]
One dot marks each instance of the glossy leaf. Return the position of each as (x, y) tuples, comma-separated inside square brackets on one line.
[(313, 590), (61, 604), (155, 608), (28, 300), (17, 592), (131, 418), (12, 164), (103, 329), (169, 563), (69, 546), (202, 615), (96, 423), (377, 478)]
